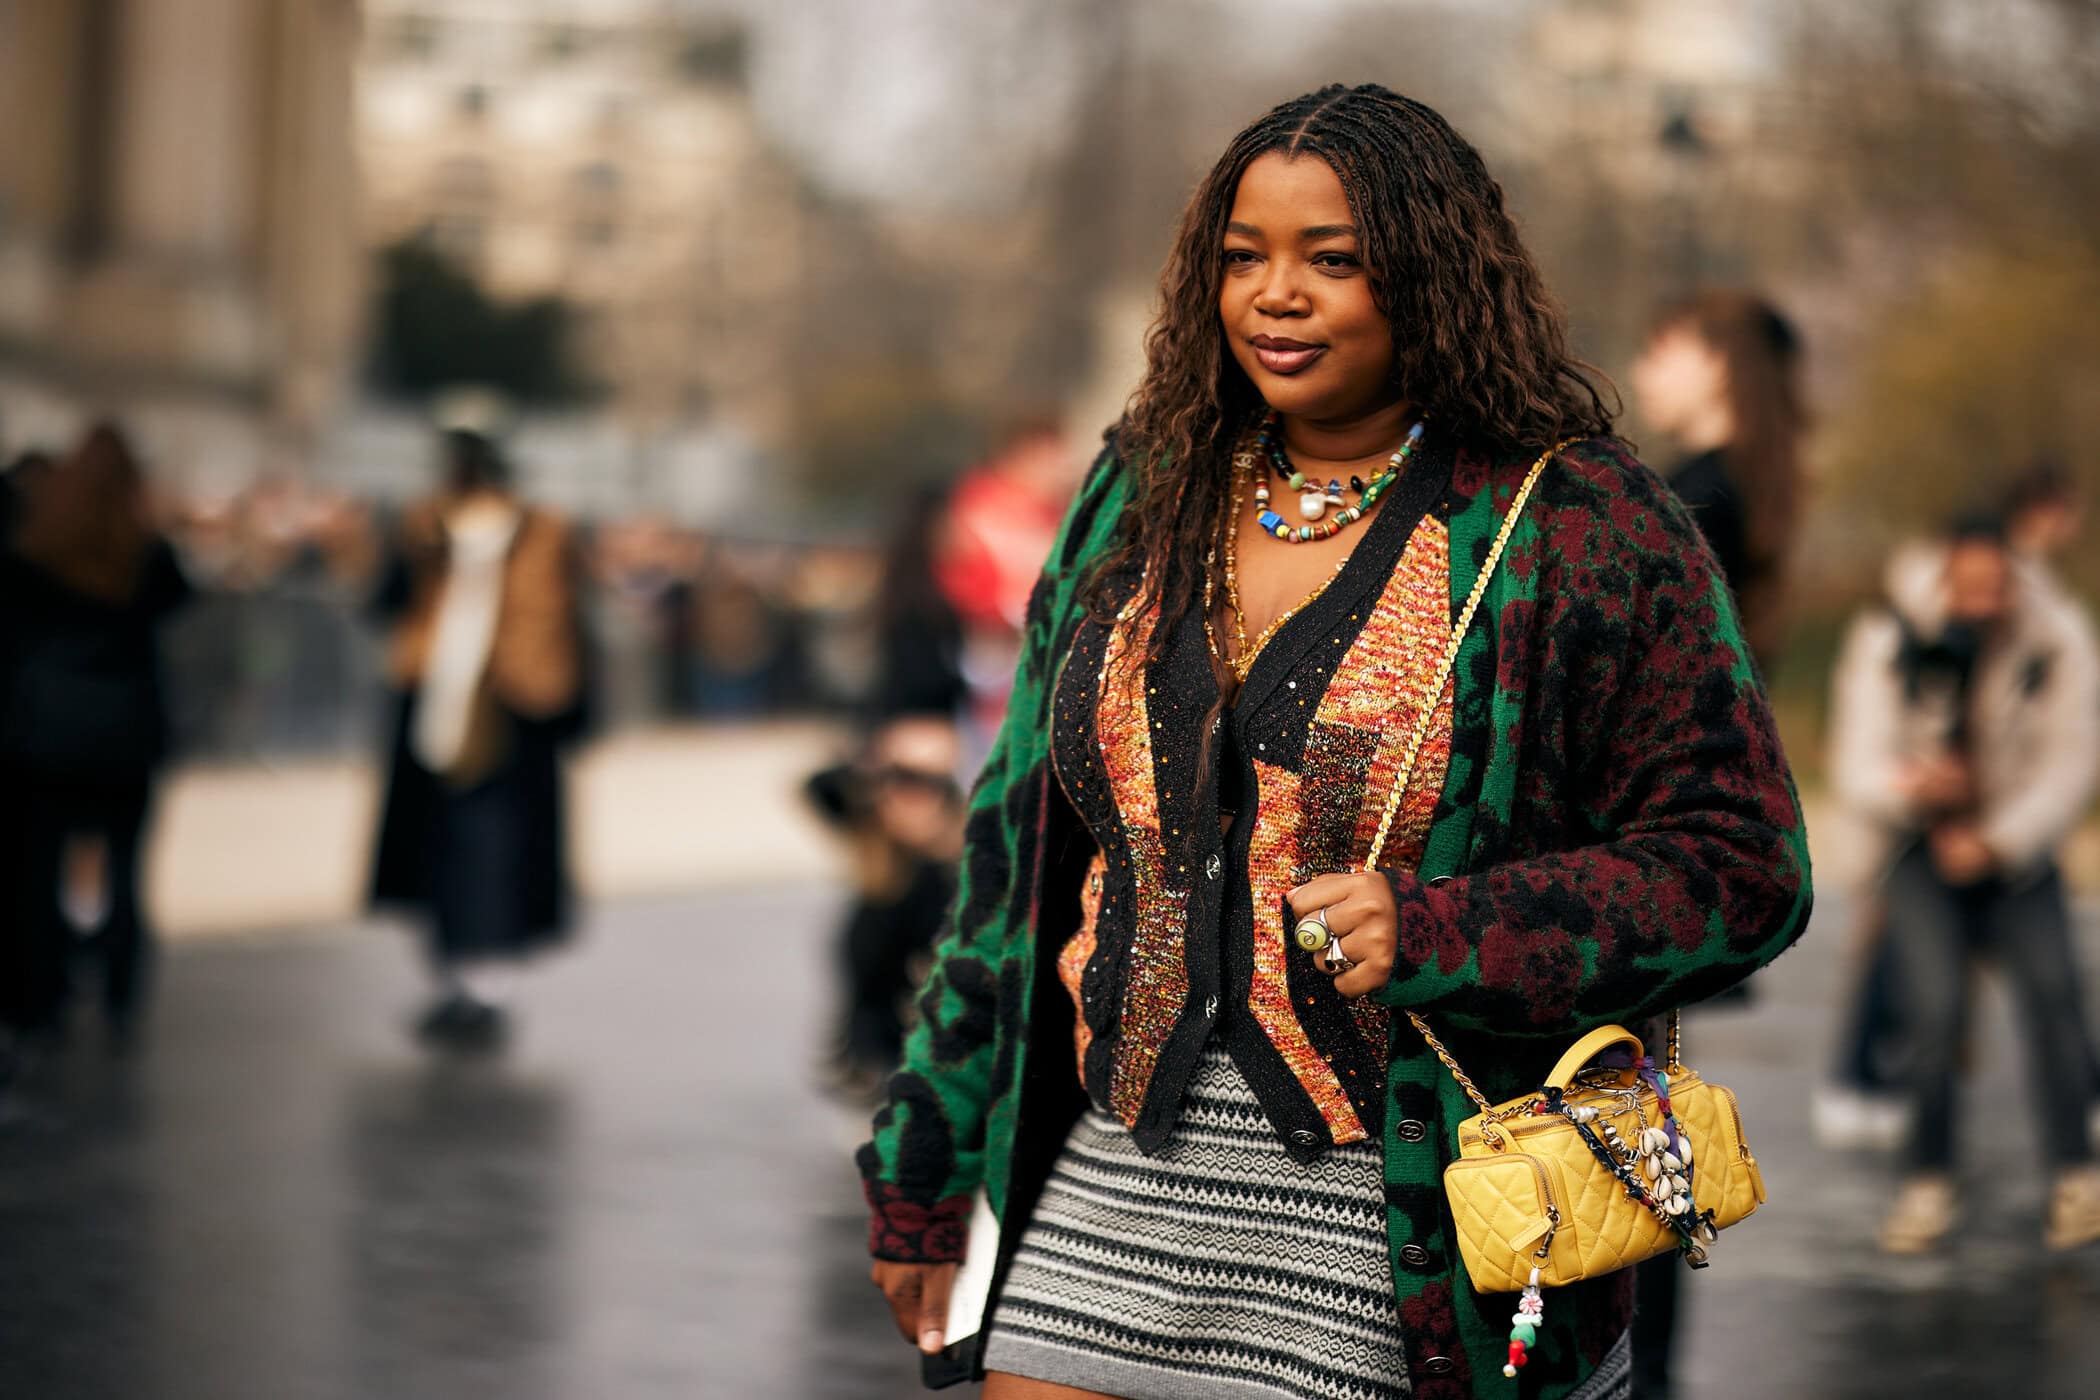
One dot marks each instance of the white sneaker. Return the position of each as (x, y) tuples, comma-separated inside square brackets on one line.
[(1846, 1120)]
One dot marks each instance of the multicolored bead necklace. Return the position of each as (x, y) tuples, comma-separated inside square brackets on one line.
[(1315, 499)]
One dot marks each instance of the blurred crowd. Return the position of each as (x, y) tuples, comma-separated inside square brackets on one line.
[(136, 627), (274, 655)]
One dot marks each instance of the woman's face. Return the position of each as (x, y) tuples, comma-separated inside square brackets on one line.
[(1679, 380), (1295, 298)]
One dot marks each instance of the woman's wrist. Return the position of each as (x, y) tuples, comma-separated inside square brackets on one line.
[(1427, 934), (910, 1232)]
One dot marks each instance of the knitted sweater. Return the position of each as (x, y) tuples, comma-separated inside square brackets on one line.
[(1617, 819), (1186, 937)]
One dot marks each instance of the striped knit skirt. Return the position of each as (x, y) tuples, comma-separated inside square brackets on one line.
[(1219, 1268)]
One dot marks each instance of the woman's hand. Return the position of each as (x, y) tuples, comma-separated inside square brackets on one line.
[(918, 1296), (1365, 922)]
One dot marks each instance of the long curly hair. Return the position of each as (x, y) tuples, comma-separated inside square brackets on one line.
[(1478, 343)]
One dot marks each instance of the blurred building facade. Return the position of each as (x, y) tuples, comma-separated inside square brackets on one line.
[(604, 152), (174, 243)]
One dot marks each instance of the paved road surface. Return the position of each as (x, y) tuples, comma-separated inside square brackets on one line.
[(284, 1200)]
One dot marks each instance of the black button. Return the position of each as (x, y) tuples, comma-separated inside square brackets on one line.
[(1414, 1256), (1439, 1366), (1305, 1137), (1412, 1130)]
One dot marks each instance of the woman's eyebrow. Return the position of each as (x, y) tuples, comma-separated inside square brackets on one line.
[(1316, 231)]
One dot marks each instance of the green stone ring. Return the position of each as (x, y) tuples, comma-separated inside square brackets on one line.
[(1312, 932)]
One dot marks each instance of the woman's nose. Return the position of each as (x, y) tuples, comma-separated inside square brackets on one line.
[(1278, 294)]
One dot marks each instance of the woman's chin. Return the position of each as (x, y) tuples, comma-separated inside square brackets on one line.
[(1297, 396), (1327, 403)]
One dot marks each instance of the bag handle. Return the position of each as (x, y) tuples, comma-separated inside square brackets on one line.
[(1589, 1048), (1413, 752)]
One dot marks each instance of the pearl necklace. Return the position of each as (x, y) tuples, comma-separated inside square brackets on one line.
[(1314, 499)]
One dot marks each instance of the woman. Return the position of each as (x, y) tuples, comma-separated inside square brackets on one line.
[(88, 583), (1241, 1180), (1720, 375), (487, 657)]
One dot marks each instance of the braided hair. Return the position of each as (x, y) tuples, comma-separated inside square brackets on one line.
[(1478, 343)]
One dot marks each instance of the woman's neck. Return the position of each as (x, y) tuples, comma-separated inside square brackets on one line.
[(1342, 442)]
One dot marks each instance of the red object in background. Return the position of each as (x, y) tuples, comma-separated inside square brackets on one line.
[(1002, 520)]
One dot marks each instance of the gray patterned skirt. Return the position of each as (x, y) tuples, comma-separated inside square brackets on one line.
[(1219, 1268)]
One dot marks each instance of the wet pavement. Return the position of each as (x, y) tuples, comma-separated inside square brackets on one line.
[(644, 1198)]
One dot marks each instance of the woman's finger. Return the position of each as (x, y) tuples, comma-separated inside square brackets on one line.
[(1321, 892), (1351, 948), (901, 1286), (1334, 957), (933, 1308)]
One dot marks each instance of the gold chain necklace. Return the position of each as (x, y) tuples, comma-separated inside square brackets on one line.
[(1242, 663)]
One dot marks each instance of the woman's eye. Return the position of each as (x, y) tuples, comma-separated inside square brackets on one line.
[(1335, 260), (1237, 257)]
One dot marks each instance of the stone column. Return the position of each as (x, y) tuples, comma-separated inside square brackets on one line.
[(312, 258), (173, 295)]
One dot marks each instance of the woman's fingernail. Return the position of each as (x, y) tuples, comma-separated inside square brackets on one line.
[(930, 1340)]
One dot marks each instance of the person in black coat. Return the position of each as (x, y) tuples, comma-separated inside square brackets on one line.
[(87, 583), (487, 663)]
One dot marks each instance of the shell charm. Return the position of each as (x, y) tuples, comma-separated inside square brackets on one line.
[(1312, 503)]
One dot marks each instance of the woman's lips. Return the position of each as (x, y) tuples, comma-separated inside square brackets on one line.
[(1284, 356)]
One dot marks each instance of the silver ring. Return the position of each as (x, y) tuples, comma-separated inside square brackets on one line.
[(1337, 963)]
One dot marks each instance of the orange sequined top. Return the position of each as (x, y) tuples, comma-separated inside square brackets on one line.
[(1184, 934)]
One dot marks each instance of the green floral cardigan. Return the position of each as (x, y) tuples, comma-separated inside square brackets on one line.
[(1618, 834)]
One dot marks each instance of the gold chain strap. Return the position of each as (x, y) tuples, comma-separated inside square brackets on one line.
[(1450, 660), (1413, 752)]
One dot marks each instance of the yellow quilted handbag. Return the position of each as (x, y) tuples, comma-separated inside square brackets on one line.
[(1606, 1165)]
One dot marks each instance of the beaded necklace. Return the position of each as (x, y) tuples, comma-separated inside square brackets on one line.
[(1246, 467), (1314, 499)]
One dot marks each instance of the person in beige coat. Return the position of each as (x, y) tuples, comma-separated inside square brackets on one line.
[(1966, 741), (487, 663)]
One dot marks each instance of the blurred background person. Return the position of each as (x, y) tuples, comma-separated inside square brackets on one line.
[(2044, 518), (86, 583), (899, 805), (1000, 525), (734, 649), (1720, 374), (488, 661), (901, 810), (1967, 724)]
